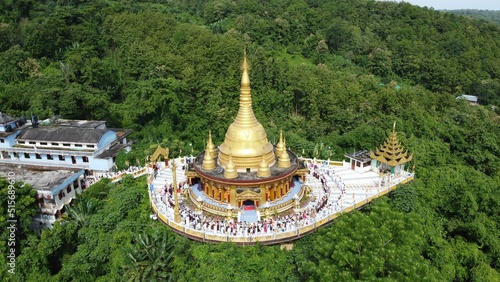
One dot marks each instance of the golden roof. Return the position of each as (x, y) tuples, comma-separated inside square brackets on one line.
[(391, 152), (246, 136)]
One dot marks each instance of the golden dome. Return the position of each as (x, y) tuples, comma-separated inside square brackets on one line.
[(246, 136)]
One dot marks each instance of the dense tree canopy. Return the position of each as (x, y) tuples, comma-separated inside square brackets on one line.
[(334, 75)]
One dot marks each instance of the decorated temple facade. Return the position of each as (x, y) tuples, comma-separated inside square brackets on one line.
[(246, 169)]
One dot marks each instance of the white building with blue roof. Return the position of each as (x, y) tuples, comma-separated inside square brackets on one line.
[(55, 156)]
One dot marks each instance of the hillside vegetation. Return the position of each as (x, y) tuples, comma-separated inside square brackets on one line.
[(329, 73)]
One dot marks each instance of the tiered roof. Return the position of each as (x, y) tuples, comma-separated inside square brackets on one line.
[(392, 152)]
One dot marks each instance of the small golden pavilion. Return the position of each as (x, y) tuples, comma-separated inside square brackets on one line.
[(246, 169), (391, 156)]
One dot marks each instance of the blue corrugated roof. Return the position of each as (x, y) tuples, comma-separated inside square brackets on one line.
[(68, 181)]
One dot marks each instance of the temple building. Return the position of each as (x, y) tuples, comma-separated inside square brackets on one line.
[(61, 144), (246, 169)]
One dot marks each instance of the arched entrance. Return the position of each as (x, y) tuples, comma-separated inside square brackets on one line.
[(248, 203)]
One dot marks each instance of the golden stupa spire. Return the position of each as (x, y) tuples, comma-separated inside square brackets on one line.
[(230, 171), (210, 145), (279, 146), (264, 170), (245, 115), (391, 152), (208, 160), (284, 159), (246, 136)]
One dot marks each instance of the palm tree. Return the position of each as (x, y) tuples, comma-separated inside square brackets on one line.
[(81, 210), (149, 257)]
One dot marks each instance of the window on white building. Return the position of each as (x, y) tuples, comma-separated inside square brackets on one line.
[(62, 158), (49, 157), (26, 155)]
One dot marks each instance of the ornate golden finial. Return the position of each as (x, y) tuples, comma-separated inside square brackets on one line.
[(245, 79), (208, 160), (177, 216), (230, 171), (264, 170), (284, 159), (279, 146), (210, 145), (394, 127)]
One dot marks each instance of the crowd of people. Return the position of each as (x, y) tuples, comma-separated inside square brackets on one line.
[(195, 220)]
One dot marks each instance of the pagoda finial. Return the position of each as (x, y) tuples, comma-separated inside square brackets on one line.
[(264, 170), (284, 158), (279, 146), (245, 79), (230, 170), (210, 145), (208, 160), (394, 127)]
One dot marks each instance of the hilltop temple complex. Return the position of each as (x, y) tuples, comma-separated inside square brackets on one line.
[(247, 190)]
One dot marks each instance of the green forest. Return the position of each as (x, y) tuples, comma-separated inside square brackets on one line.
[(329, 73), (487, 15)]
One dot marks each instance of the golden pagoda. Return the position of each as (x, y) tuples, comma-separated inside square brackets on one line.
[(246, 136), (230, 171), (245, 172), (208, 160), (391, 153), (264, 170), (211, 146), (284, 158), (279, 146)]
